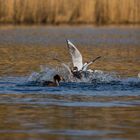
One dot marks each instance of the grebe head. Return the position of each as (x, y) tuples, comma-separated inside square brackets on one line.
[(57, 78)]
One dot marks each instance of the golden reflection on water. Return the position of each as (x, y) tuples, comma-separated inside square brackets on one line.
[(25, 121), (22, 60)]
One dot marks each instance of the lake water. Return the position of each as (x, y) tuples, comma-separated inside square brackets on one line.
[(105, 109)]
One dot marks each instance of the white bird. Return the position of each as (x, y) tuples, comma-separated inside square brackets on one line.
[(77, 57)]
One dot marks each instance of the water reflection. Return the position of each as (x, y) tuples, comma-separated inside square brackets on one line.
[(53, 121)]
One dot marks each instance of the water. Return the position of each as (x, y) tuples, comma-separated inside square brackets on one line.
[(107, 108)]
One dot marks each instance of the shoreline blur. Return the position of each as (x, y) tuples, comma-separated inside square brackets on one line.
[(59, 12)]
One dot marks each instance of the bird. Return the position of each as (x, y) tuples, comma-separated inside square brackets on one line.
[(77, 59), (54, 83)]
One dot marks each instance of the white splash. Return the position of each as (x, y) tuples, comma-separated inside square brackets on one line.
[(47, 74)]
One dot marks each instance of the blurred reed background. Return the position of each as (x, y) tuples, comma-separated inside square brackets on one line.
[(70, 11)]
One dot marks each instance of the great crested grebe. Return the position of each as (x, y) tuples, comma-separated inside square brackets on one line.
[(54, 83)]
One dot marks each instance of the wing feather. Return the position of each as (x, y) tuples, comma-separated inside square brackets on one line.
[(76, 55)]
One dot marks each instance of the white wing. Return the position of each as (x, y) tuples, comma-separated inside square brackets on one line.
[(85, 66), (76, 55)]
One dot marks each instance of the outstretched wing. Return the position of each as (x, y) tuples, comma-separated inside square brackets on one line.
[(85, 66), (76, 55)]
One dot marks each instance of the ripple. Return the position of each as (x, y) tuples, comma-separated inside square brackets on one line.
[(123, 93), (67, 132)]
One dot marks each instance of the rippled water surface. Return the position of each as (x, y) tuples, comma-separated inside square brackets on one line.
[(108, 109)]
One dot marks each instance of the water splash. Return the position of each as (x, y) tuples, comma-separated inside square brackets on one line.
[(44, 74), (47, 74)]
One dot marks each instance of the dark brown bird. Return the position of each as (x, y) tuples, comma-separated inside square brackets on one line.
[(54, 83)]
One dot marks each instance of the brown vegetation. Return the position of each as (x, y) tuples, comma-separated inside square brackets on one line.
[(70, 11)]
